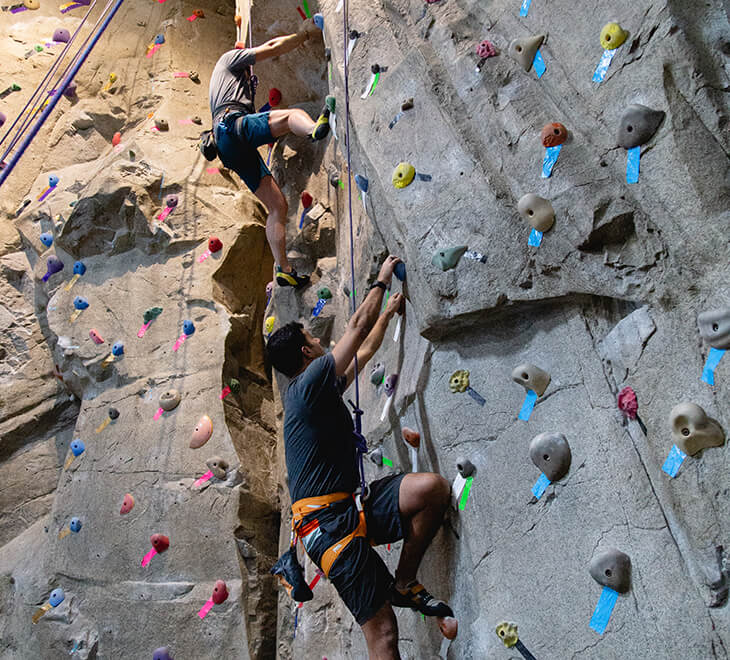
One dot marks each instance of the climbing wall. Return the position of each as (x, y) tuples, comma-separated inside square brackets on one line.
[(549, 319)]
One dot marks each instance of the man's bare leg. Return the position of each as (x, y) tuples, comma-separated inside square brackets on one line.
[(381, 635), (294, 121), (272, 197)]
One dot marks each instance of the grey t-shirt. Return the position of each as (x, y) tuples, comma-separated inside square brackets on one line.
[(230, 79), (318, 433)]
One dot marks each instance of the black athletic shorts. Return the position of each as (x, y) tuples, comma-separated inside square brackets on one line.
[(359, 574)]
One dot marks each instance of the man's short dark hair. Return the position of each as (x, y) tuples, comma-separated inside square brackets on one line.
[(284, 348)]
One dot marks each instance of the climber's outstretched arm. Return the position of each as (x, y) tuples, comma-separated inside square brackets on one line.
[(280, 45)]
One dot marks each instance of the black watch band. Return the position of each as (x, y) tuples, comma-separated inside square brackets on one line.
[(378, 285)]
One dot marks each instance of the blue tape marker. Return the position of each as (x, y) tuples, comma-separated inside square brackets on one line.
[(632, 164), (318, 307), (551, 157), (599, 75), (528, 405), (476, 396), (423, 177), (540, 485), (603, 610), (525, 7), (535, 238), (674, 461), (539, 64), (713, 359), (265, 107), (301, 219)]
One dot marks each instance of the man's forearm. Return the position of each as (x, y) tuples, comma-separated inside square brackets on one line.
[(280, 45), (366, 315), (375, 338)]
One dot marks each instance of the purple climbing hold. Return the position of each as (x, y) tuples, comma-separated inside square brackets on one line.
[(62, 35), (54, 265)]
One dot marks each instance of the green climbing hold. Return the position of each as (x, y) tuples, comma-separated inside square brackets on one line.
[(330, 103), (38, 48), (235, 385), (152, 313), (16, 87), (448, 259), (324, 293)]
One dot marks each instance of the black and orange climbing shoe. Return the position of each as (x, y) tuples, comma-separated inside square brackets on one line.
[(322, 127), (417, 598), (291, 278)]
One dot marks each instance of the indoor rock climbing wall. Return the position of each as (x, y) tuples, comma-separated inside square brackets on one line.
[(605, 297)]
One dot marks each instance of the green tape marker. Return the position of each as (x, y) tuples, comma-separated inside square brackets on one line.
[(465, 493), (341, 184), (387, 461), (375, 84), (306, 9)]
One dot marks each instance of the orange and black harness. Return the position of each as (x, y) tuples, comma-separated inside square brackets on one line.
[(308, 531)]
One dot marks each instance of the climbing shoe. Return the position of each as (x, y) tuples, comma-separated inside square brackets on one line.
[(417, 598), (291, 278), (322, 127)]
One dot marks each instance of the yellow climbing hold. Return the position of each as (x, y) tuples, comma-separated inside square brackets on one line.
[(403, 175), (612, 36), (507, 632), (269, 324), (459, 381)]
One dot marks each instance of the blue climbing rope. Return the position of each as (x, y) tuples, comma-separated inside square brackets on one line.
[(360, 441), (55, 97)]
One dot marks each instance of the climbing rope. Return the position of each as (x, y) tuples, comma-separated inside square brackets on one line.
[(73, 69), (360, 441)]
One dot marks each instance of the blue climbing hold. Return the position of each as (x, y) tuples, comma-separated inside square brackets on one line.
[(79, 268), (400, 271), (56, 597), (188, 327), (77, 447), (53, 180), (75, 525), (47, 238), (319, 20), (362, 183), (118, 349), (160, 39), (80, 302)]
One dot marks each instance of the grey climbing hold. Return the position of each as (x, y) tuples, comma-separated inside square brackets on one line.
[(550, 452), (693, 430), (537, 211), (162, 125), (638, 125), (377, 373), (531, 378), (448, 259), (113, 413), (714, 327), (390, 384), (169, 400), (465, 467), (612, 568), (217, 466), (376, 456), (523, 50)]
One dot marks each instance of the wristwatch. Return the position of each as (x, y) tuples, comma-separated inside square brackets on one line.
[(378, 285)]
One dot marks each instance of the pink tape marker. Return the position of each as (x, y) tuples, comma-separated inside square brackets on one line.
[(181, 74), (153, 50), (226, 391), (143, 329), (148, 557), (192, 18), (206, 608), (199, 482), (158, 414), (180, 340), (185, 122), (212, 170), (164, 213)]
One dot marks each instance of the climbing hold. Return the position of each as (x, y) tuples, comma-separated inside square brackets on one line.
[(171, 201), (538, 212), (269, 325), (32, 4), (459, 381), (116, 138), (403, 175), (46, 238), (3, 118), (627, 402), (160, 39), (507, 632), (160, 542), (390, 384), (199, 13), (80, 303), (95, 336), (235, 385), (531, 378), (612, 568), (334, 179), (163, 653), (220, 592), (324, 293), (70, 90), (151, 314), (202, 432), (638, 125), (714, 327), (217, 466), (274, 97), (693, 430), (214, 244), (400, 271), (523, 50), (413, 438), (612, 36), (448, 259), (75, 525), (238, 19), (318, 20), (465, 467), (169, 400), (362, 183), (162, 125), (376, 456), (79, 268), (53, 265), (57, 597), (61, 35), (188, 327), (448, 626), (113, 413), (377, 373), (486, 49), (307, 200), (53, 181), (77, 447), (118, 349), (196, 120), (553, 134), (550, 452), (127, 504)]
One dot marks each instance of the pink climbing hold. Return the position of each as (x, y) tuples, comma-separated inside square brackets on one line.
[(627, 402), (486, 49)]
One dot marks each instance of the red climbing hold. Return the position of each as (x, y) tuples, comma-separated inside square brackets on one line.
[(274, 97), (448, 626), (627, 402), (117, 138), (413, 438), (160, 542), (214, 244), (486, 49), (306, 200), (220, 592)]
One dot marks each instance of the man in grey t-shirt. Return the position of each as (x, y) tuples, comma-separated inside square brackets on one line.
[(239, 130)]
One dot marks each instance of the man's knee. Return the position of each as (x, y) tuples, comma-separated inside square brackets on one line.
[(382, 633), (439, 489)]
